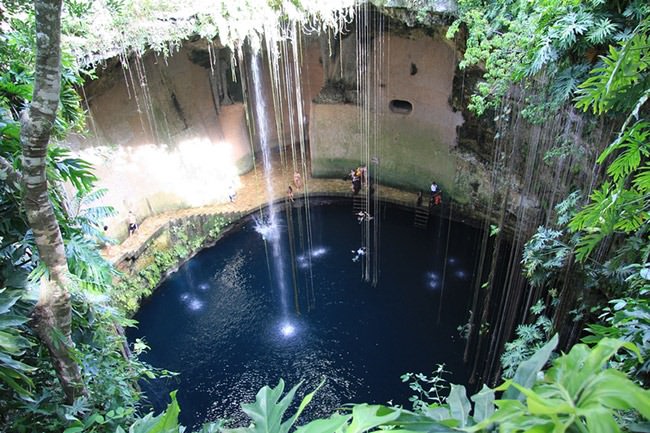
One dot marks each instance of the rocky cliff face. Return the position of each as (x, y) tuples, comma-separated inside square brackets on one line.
[(172, 133)]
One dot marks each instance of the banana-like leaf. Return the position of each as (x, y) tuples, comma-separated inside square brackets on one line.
[(332, 424), (269, 408), (459, 405), (527, 371), (483, 403), (166, 422), (366, 417)]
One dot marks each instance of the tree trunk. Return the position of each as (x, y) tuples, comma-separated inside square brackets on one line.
[(52, 315)]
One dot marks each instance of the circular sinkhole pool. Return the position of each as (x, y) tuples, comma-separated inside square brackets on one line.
[(228, 326)]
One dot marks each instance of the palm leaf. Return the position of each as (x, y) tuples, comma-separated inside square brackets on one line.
[(13, 372)]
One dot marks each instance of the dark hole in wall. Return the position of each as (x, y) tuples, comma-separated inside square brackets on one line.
[(179, 110), (400, 106)]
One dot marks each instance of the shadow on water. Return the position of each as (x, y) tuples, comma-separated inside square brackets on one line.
[(218, 320)]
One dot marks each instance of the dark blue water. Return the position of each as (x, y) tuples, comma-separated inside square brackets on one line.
[(218, 321)]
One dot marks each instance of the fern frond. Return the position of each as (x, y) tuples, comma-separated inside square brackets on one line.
[(93, 272), (566, 82), (642, 180), (619, 82), (546, 53), (602, 31), (572, 25)]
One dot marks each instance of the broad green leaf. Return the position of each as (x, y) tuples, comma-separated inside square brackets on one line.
[(437, 413), (366, 417), (16, 381), (15, 364), (526, 374), (12, 320), (567, 372), (507, 411), (303, 404), (483, 403), (166, 422), (604, 350), (421, 422), (459, 405), (643, 427), (268, 409), (331, 424), (600, 421), (543, 404), (613, 390), (6, 302)]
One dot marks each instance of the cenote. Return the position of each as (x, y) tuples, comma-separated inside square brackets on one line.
[(218, 320)]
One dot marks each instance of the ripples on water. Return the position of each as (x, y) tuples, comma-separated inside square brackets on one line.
[(218, 323)]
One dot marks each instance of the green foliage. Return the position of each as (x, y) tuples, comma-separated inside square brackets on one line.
[(13, 371), (186, 239), (101, 30), (549, 43), (628, 320), (110, 372), (577, 393), (30, 395), (545, 252), (530, 339), (622, 79), (63, 167), (621, 84), (267, 412), (166, 422), (429, 389)]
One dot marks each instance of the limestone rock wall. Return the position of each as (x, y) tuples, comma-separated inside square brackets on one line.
[(165, 133), (417, 140), (172, 133)]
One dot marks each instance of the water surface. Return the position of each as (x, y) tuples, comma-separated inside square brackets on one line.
[(219, 320)]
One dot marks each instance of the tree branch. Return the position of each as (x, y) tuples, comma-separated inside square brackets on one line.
[(53, 312)]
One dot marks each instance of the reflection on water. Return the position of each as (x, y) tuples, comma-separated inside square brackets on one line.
[(268, 229), (219, 322), (433, 280), (304, 261), (287, 330)]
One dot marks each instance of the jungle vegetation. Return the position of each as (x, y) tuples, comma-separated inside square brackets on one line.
[(64, 362)]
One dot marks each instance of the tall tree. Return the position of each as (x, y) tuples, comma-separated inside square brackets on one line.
[(52, 314)]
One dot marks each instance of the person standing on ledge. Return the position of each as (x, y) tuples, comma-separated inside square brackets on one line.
[(290, 193), (297, 180), (434, 189), (436, 195), (133, 223), (231, 192)]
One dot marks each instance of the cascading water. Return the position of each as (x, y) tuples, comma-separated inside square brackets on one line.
[(268, 226)]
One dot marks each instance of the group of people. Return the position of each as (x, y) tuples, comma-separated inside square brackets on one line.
[(435, 197), (358, 254), (133, 223), (297, 181), (363, 216), (358, 178)]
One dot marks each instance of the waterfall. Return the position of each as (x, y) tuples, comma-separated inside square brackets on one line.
[(268, 226)]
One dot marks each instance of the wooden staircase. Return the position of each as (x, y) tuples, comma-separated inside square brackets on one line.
[(421, 219), (359, 203)]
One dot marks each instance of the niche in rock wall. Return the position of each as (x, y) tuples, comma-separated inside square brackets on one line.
[(400, 106)]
